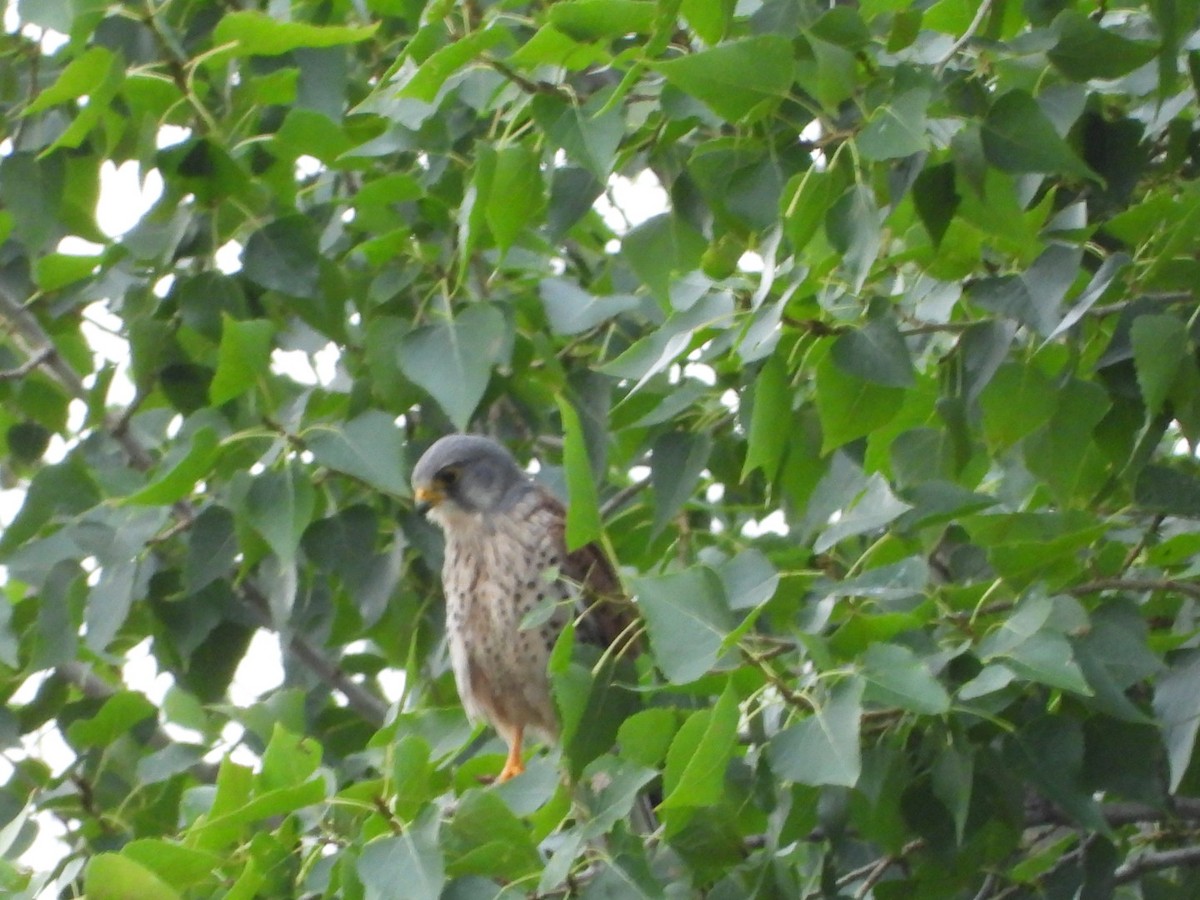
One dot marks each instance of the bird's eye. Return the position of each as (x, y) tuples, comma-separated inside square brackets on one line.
[(447, 477)]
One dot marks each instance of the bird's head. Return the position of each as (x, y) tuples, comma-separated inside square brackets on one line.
[(464, 475)]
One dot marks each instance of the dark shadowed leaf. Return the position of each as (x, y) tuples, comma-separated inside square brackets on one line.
[(279, 506), (1160, 345), (876, 352), (1018, 137), (1177, 707), (283, 256), (772, 405), (1087, 50), (675, 467)]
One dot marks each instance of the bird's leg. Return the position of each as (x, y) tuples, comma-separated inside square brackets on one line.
[(513, 765)]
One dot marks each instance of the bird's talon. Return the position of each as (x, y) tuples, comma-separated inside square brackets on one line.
[(510, 770)]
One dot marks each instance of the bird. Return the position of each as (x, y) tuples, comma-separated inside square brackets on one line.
[(505, 557)]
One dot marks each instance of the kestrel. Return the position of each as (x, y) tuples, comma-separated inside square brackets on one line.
[(505, 557)]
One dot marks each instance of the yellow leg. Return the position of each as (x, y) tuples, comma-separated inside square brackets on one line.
[(513, 765)]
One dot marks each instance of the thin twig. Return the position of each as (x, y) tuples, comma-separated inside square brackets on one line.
[(28, 366), (1192, 589), (966, 35)]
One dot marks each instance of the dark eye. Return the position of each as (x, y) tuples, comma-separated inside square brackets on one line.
[(447, 477)]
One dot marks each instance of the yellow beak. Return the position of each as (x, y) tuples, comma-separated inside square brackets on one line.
[(428, 498)]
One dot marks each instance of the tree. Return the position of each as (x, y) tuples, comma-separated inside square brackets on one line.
[(864, 336)]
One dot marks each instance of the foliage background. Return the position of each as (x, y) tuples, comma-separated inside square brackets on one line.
[(921, 292)]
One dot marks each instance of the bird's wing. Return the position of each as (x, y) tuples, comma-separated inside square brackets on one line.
[(606, 614)]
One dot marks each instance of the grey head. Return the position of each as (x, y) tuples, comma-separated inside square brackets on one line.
[(465, 474)]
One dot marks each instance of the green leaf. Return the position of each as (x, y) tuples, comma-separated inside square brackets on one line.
[(936, 199), (708, 19), (1177, 706), (687, 618), (180, 480), (243, 357), (64, 488), (1169, 491), (876, 353), (1018, 137), (516, 194), (572, 310), (871, 509), (427, 80), (284, 256), (1086, 50), (110, 876), (369, 447), (590, 134), (853, 228), (823, 748), (894, 676), (749, 579), (550, 46), (27, 441), (485, 838), (279, 506), (676, 462), (646, 736), (212, 548), (259, 34), (850, 407), (660, 249), (179, 866), (592, 699), (587, 20), (407, 866), (118, 716), (79, 78), (767, 441), (216, 831), (57, 270), (583, 512), (699, 755), (289, 760), (805, 202), (1160, 346), (897, 129), (453, 360), (1017, 401), (737, 79)]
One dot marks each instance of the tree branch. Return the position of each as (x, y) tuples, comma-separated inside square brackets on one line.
[(1150, 862)]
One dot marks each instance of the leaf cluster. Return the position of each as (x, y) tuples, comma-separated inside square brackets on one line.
[(864, 336)]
